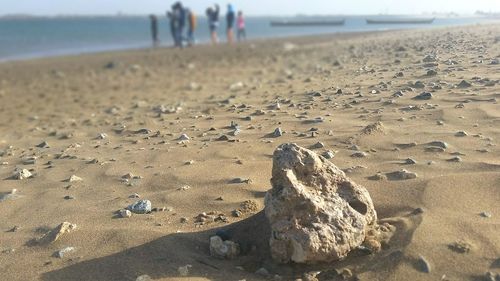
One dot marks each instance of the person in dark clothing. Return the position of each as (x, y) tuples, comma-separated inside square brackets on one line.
[(230, 17), (177, 21), (171, 19), (182, 23), (154, 29), (213, 22)]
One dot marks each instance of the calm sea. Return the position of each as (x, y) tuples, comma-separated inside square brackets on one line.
[(41, 37)]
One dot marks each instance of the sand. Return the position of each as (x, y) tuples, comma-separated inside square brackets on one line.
[(101, 118)]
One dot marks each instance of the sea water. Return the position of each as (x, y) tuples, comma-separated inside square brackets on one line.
[(25, 38)]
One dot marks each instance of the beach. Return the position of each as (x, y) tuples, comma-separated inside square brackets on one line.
[(98, 132)]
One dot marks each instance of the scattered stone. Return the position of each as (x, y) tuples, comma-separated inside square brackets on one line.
[(485, 214), (144, 277), (328, 154), (223, 249), (434, 149), (140, 207), (423, 265), (309, 276), (61, 253), (492, 276), (455, 159), (373, 245), (410, 161), (317, 145), (406, 145), (21, 174), (12, 195), (193, 86), (102, 136), (74, 178), (14, 229), (431, 72), (401, 175), (359, 154), (184, 270), (124, 213), (300, 208), (56, 233), (184, 137), (429, 58), (464, 84), (277, 132), (461, 134), (419, 85), (237, 213), (236, 86), (354, 147), (418, 211), (460, 246), (376, 127), (423, 96), (29, 160), (441, 144), (378, 177), (240, 180), (222, 138), (43, 144), (235, 132), (249, 206)]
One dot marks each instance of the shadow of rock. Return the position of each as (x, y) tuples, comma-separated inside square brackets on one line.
[(161, 258)]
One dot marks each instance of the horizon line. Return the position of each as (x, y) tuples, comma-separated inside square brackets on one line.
[(121, 14)]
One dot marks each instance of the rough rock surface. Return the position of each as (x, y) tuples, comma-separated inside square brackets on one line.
[(140, 207), (56, 233), (223, 249), (316, 213)]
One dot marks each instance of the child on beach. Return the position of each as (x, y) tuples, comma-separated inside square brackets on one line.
[(154, 29), (240, 23)]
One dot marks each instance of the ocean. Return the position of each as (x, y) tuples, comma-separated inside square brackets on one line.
[(25, 38)]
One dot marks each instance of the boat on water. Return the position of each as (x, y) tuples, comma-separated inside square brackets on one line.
[(400, 21), (285, 23)]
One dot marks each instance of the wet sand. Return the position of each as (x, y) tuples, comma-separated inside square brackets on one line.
[(115, 120)]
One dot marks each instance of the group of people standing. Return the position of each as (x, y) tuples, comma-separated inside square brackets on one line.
[(179, 17)]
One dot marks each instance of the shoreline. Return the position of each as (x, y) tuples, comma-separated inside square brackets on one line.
[(135, 51), (144, 46)]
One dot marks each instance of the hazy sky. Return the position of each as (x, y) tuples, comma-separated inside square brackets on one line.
[(253, 7)]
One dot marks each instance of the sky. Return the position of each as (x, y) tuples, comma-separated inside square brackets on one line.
[(250, 7)]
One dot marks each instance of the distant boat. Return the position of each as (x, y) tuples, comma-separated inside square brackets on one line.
[(400, 21), (285, 23)]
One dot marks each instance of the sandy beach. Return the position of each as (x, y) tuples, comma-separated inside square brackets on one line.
[(194, 131)]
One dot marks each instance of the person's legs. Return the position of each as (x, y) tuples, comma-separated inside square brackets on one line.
[(213, 34), (174, 36), (180, 37), (214, 37), (190, 37), (241, 34), (230, 35)]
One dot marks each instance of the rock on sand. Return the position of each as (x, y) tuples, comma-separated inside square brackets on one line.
[(316, 213)]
